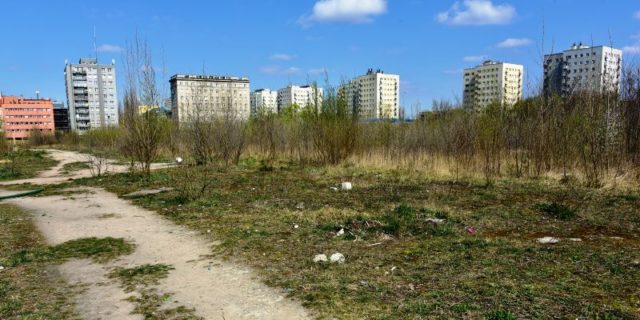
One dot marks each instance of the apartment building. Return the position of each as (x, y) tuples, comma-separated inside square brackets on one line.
[(92, 98), (299, 95), (60, 117), (375, 95), (264, 101), (20, 116), (583, 68), (209, 96), (493, 82)]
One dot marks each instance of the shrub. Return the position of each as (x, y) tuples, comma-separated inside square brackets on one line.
[(556, 210)]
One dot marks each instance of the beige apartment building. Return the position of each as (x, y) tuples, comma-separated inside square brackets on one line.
[(493, 82), (209, 96), (375, 95)]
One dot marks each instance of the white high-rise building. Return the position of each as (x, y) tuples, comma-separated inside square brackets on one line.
[(91, 94), (299, 95), (493, 82), (198, 96), (264, 101), (583, 68), (375, 95)]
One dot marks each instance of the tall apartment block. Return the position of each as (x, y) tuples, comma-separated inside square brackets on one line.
[(493, 82), (375, 95), (583, 68), (300, 95), (92, 98), (211, 96), (21, 116), (264, 101)]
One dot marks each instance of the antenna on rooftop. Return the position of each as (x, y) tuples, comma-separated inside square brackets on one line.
[(38, 94), (95, 47)]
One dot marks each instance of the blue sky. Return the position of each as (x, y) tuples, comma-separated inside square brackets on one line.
[(276, 42)]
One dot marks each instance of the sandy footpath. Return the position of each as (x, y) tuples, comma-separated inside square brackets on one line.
[(215, 289)]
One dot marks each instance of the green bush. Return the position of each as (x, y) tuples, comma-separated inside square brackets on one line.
[(557, 210)]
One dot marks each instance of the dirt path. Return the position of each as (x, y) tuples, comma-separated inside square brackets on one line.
[(215, 289), (55, 174)]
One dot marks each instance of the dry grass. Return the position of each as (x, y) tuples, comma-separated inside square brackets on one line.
[(398, 266)]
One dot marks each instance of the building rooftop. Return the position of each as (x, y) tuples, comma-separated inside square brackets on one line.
[(207, 78)]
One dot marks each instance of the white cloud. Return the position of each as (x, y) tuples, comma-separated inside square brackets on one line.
[(318, 71), (477, 12), (474, 58), (515, 42), (109, 48), (282, 57), (635, 49), (277, 70), (354, 11)]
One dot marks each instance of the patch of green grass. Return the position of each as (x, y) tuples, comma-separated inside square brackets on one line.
[(24, 164), (557, 210), (145, 275), (100, 250), (28, 290), (500, 315), (153, 305), (75, 166)]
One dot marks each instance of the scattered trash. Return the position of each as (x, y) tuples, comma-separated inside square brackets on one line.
[(1, 268), (394, 269), (320, 258), (548, 240), (364, 283), (346, 186), (333, 189), (209, 231), (340, 233), (295, 226), (179, 160), (337, 258), (575, 239), (435, 221), (472, 230), (300, 206)]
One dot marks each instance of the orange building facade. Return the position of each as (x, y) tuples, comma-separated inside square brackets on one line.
[(20, 116)]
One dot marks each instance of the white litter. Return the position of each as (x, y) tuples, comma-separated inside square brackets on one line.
[(575, 239), (346, 186), (295, 226), (435, 220), (337, 258), (320, 258), (548, 240), (341, 232)]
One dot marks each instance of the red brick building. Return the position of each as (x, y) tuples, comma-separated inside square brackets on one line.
[(20, 116)]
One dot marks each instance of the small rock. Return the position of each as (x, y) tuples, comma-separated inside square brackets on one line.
[(295, 226), (435, 221), (339, 233), (636, 262), (346, 186), (320, 258), (300, 206), (209, 231), (548, 240), (337, 258), (1, 268)]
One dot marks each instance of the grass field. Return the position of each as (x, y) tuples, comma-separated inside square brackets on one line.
[(28, 163), (399, 265)]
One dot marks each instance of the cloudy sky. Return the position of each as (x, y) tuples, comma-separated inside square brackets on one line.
[(276, 42)]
